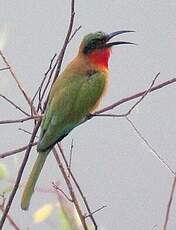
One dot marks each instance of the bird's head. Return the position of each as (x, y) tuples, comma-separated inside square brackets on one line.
[(97, 46)]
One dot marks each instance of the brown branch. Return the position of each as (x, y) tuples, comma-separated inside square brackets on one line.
[(12, 152), (77, 186), (66, 41), (43, 80), (15, 105), (134, 96), (57, 189), (70, 158), (11, 221), (74, 32), (72, 194), (57, 66), (26, 131), (169, 204), (5, 68), (18, 179), (17, 81), (21, 120), (132, 107), (58, 63), (97, 210)]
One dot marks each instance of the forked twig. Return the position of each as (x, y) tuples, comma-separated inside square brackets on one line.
[(14, 105), (17, 81)]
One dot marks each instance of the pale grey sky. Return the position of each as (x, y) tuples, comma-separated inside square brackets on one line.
[(112, 164)]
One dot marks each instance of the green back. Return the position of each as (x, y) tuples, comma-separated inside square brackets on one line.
[(71, 99)]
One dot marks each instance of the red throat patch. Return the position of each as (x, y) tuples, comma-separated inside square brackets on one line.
[(100, 57)]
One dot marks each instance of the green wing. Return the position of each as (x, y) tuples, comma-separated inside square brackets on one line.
[(71, 99)]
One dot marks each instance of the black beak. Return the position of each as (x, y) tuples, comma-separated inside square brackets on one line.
[(113, 34)]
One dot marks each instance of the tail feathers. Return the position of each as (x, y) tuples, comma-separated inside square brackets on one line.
[(33, 177)]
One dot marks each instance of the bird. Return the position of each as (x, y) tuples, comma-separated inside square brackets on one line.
[(75, 94)]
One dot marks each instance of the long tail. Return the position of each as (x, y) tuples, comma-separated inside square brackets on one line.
[(33, 177)]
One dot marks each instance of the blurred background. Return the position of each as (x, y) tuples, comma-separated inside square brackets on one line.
[(112, 164)]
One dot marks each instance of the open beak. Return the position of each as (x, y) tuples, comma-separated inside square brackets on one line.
[(113, 34)]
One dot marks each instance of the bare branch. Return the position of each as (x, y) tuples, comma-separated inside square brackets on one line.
[(18, 179), (150, 146), (57, 66), (26, 131), (75, 31), (77, 186), (5, 68), (70, 27), (72, 194), (11, 221), (15, 105), (16, 79), (134, 96), (133, 107), (97, 210), (57, 189), (144, 95), (71, 153), (43, 81), (12, 152), (169, 204), (21, 120)]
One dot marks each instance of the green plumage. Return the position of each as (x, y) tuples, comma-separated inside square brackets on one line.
[(75, 94), (72, 97)]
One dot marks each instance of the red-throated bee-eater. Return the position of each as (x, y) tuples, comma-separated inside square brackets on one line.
[(74, 95)]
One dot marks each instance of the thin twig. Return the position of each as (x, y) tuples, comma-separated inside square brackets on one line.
[(12, 152), (71, 153), (97, 210), (58, 63), (18, 179), (144, 95), (134, 96), (169, 204), (133, 107), (150, 146), (72, 194), (26, 131), (77, 186), (5, 68), (74, 32), (66, 41), (21, 120), (11, 221), (43, 80), (17, 81), (57, 66), (14, 105), (60, 190)]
